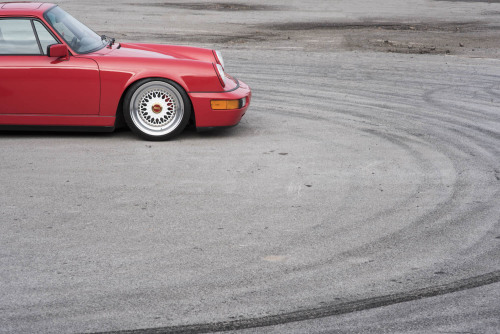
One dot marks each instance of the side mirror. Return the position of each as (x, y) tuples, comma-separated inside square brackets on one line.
[(58, 50)]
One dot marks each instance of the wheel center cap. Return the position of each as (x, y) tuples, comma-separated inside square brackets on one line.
[(157, 108)]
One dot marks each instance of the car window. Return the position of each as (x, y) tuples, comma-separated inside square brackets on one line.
[(17, 38), (44, 36)]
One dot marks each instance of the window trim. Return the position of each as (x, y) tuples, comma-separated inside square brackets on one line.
[(48, 30), (36, 37)]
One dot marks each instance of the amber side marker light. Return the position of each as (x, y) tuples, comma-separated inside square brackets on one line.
[(227, 104)]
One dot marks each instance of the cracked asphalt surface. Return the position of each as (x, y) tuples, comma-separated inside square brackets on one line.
[(360, 192)]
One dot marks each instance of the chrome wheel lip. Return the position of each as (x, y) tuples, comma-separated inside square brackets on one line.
[(141, 107)]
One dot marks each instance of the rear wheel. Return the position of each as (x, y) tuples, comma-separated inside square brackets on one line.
[(156, 109)]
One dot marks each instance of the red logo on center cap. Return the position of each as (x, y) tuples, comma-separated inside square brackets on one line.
[(157, 108)]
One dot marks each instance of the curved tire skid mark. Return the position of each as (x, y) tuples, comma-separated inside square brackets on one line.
[(427, 219), (326, 311), (400, 235), (346, 307)]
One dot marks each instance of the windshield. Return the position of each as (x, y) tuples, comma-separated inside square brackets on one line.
[(78, 36)]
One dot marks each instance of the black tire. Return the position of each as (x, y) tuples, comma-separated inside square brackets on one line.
[(156, 109)]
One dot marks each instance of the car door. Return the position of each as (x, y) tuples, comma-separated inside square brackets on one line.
[(31, 83)]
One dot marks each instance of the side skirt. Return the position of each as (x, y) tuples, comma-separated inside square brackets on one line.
[(57, 128)]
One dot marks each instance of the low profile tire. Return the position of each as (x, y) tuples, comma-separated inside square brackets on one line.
[(156, 109)]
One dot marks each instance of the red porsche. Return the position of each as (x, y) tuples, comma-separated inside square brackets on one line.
[(56, 73)]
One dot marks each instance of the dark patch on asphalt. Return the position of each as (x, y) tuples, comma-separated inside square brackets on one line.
[(491, 12), (213, 6), (327, 310), (203, 38), (497, 174), (413, 48), (393, 36), (396, 26), (239, 39)]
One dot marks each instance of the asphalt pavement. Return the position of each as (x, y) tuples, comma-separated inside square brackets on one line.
[(360, 193)]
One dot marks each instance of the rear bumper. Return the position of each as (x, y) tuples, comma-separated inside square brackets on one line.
[(208, 118)]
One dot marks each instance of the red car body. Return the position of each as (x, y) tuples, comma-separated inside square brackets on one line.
[(88, 90)]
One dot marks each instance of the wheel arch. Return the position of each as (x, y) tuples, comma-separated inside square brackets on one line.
[(120, 121)]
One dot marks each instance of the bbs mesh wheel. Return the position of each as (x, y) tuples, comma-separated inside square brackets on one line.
[(156, 109)]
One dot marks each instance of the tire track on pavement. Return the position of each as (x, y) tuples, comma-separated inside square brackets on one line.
[(325, 311)]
